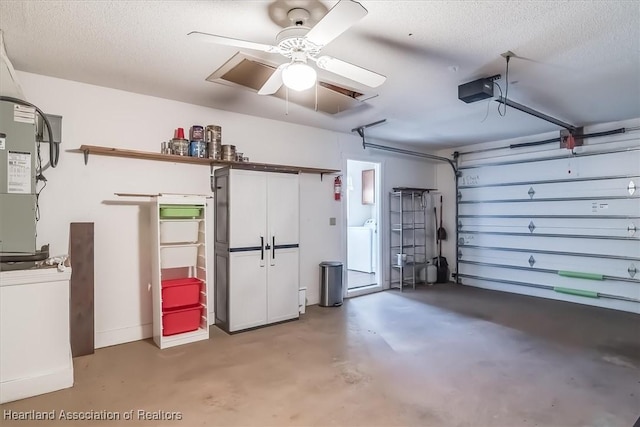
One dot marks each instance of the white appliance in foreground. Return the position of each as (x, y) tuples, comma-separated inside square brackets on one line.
[(361, 253), (35, 344), (256, 248)]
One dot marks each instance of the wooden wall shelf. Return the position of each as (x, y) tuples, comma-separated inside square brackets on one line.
[(134, 154)]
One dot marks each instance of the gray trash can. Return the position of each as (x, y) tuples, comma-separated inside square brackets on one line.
[(330, 284)]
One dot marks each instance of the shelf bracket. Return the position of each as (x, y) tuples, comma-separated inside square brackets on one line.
[(86, 156), (322, 174)]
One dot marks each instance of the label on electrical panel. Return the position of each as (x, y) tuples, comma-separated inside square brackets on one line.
[(19, 172), (24, 114)]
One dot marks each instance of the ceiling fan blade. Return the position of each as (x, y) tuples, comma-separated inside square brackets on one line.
[(228, 41), (350, 71), (274, 82), (342, 16)]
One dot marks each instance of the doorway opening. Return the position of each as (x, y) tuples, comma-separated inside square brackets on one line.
[(363, 200)]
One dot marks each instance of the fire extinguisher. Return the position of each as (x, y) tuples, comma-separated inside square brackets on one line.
[(337, 188)]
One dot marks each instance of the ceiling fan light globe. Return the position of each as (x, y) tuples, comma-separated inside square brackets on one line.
[(299, 76)]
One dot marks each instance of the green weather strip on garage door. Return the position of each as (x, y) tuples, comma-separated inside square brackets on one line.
[(578, 292), (579, 275)]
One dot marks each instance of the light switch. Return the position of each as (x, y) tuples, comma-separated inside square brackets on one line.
[(332, 221)]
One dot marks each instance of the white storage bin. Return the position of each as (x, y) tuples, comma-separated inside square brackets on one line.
[(178, 232), (178, 256)]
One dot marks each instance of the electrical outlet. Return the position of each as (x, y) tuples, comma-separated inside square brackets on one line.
[(332, 221)]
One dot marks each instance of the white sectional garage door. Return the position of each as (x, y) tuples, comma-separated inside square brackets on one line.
[(545, 222)]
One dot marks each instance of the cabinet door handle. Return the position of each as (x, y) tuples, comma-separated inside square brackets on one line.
[(273, 247), (261, 248)]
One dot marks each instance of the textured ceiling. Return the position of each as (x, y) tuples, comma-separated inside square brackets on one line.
[(577, 60)]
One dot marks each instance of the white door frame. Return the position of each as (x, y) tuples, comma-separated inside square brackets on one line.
[(380, 201)]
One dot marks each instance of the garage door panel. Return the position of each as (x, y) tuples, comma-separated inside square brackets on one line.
[(614, 304), (599, 188), (619, 207), (580, 223), (596, 166), (569, 231), (622, 248), (607, 267), (595, 227), (615, 144), (612, 287)]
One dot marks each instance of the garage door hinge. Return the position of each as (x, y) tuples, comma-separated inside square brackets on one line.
[(632, 270), (631, 229), (532, 261), (459, 254), (459, 225), (531, 192), (631, 188), (532, 227), (459, 195)]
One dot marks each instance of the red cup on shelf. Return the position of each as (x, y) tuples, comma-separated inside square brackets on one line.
[(179, 133)]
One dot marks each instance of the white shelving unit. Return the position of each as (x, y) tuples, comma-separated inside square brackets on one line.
[(408, 233), (179, 247)]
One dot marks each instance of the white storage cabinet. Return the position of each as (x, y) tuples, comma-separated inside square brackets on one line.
[(256, 248), (179, 270)]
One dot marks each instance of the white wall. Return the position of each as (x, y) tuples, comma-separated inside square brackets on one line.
[(358, 213), (76, 193)]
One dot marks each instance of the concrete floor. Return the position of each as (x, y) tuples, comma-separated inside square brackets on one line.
[(442, 356)]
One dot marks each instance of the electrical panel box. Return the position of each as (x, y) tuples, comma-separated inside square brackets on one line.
[(17, 179), (56, 128)]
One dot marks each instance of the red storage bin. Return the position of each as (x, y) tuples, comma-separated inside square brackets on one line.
[(180, 292), (181, 320)]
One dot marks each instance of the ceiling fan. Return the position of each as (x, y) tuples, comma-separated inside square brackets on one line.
[(301, 44)]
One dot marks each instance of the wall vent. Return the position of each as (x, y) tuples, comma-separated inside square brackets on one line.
[(251, 73)]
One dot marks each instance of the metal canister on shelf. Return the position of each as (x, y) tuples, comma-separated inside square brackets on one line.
[(213, 137), (245, 159), (239, 157), (196, 133), (214, 149), (165, 147), (229, 153), (180, 147), (198, 149)]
